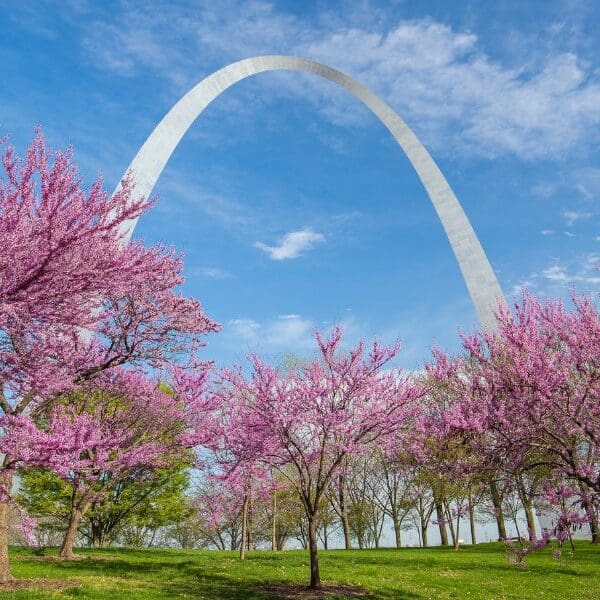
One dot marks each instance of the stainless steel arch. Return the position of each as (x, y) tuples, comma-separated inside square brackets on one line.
[(152, 157)]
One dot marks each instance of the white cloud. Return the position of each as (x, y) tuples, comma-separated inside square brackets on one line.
[(591, 261), (579, 273), (547, 231), (440, 80), (543, 190), (215, 273), (583, 271), (587, 182), (292, 244), (184, 196), (556, 273), (289, 331), (572, 216), (285, 333), (244, 329), (454, 94), (526, 285), (583, 190)]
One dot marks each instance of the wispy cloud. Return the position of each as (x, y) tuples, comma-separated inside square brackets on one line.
[(287, 333), (441, 80), (562, 276), (294, 333), (454, 94), (582, 271), (292, 245), (212, 272), (193, 199), (587, 183), (284, 333), (556, 273), (525, 285), (242, 329), (572, 216), (543, 190), (290, 331)]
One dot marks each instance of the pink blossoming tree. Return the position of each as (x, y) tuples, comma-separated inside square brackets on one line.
[(306, 422), (118, 427), (64, 266), (529, 395)]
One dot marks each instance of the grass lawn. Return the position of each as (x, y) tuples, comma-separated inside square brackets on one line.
[(473, 572)]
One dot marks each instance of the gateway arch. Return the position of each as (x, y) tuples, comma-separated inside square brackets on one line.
[(152, 157)]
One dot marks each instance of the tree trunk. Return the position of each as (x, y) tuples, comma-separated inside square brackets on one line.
[(78, 509), (66, 550), (5, 574), (423, 522), (451, 525), (424, 540), (98, 533), (250, 523), (593, 521), (244, 528), (516, 522), (499, 513), (361, 543), (472, 520), (457, 538), (6, 479), (397, 530), (151, 542), (315, 578), (439, 511), (274, 523), (344, 514), (303, 531), (530, 518), (527, 507), (220, 541)]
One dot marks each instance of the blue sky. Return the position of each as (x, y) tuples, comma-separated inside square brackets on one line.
[(294, 207)]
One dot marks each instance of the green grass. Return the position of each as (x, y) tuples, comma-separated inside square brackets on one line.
[(472, 572)]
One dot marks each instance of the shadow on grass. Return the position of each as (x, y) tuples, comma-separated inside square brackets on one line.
[(221, 587), (128, 569), (189, 579)]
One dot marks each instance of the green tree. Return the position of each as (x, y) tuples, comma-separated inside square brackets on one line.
[(133, 511)]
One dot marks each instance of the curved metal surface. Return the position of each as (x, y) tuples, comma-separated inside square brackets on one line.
[(152, 157)]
